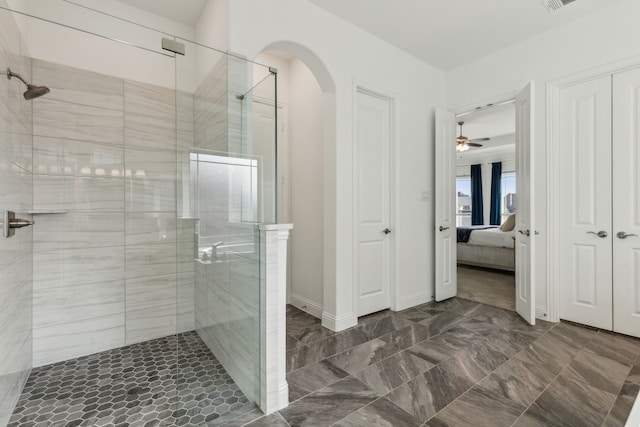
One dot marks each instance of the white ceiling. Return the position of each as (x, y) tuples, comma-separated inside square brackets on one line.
[(184, 11), (497, 123), (449, 33)]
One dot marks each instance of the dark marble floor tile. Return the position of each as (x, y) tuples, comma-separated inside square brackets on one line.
[(479, 326), (622, 407), (273, 420), (517, 380), (573, 337), (301, 356), (380, 413), (487, 354), (363, 355), (309, 334), (379, 326), (432, 351), (548, 351), (330, 404), (407, 336), (569, 401), (419, 314), (298, 319), (373, 317), (634, 374), (599, 371), (291, 342), (338, 343), (441, 322), (458, 305), (478, 408), (617, 347), (388, 374), (425, 395), (312, 378), (510, 342)]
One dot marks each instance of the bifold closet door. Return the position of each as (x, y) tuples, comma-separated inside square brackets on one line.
[(585, 203), (626, 202)]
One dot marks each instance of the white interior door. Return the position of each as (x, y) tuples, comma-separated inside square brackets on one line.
[(626, 202), (525, 292), (372, 184), (445, 206), (585, 247)]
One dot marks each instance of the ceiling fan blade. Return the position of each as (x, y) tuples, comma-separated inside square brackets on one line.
[(480, 139), (473, 144)]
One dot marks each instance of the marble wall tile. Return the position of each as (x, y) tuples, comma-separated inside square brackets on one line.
[(93, 194), (69, 267), (57, 156), (73, 121), (78, 230), (150, 227), (15, 114), (77, 86), (57, 306), (61, 342), (144, 195), (159, 259), (152, 291), (149, 132), (150, 163), (16, 148), (150, 323), (150, 100), (16, 191), (20, 245)]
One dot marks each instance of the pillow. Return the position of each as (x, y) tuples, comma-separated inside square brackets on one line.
[(509, 224)]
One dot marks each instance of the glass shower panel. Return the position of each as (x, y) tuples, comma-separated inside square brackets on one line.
[(219, 208)]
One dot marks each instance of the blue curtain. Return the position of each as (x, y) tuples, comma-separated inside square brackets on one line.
[(496, 193), (477, 215)]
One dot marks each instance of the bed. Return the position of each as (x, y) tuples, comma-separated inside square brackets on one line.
[(486, 247)]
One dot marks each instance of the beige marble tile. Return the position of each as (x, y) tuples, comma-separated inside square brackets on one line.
[(152, 291), (66, 341), (57, 156), (150, 227), (149, 100), (68, 304), (93, 194), (146, 324), (78, 86), (150, 163), (144, 195), (157, 259), (16, 148), (78, 230)]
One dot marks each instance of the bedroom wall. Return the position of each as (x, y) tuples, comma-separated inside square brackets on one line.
[(612, 35)]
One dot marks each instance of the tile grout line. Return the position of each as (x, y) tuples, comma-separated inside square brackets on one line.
[(550, 382)]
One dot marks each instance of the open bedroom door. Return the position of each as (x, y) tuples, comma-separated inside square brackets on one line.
[(445, 206), (525, 298)]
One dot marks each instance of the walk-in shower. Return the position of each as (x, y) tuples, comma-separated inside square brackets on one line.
[(33, 91), (120, 306)]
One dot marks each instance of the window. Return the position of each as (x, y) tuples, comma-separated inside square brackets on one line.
[(463, 201), (508, 191)]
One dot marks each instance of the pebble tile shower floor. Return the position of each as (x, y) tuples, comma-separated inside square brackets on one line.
[(133, 386)]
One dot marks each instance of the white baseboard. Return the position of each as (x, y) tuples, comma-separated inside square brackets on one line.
[(413, 300), (339, 323), (283, 396), (306, 305)]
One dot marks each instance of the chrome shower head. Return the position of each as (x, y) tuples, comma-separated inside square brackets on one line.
[(32, 91)]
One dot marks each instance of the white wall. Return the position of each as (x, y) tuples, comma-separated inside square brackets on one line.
[(602, 37), (351, 57)]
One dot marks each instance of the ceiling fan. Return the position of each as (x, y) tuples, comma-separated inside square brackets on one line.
[(463, 143)]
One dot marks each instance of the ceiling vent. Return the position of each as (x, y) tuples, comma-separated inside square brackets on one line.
[(553, 5)]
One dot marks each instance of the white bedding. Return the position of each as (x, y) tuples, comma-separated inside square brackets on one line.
[(492, 237)]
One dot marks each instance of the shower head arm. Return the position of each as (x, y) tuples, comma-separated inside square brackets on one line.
[(16, 75)]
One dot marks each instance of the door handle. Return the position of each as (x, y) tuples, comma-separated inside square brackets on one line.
[(623, 235), (10, 223), (386, 231), (526, 233), (443, 228), (602, 234)]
